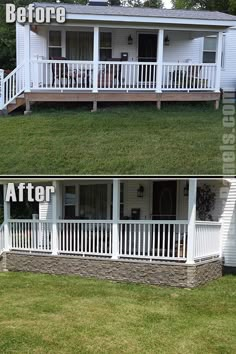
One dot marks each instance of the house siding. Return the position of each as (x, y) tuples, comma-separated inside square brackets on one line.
[(229, 226), (228, 74)]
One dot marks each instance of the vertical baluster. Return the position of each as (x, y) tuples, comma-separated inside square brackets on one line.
[(178, 254), (139, 240), (184, 242), (173, 240), (126, 238), (153, 239), (130, 239), (149, 236), (168, 241), (143, 237), (164, 240)]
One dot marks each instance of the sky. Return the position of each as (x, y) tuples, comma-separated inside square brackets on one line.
[(167, 4)]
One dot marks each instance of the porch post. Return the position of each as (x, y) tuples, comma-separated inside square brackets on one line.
[(27, 56), (7, 216), (55, 208), (160, 52), (2, 91), (116, 217), (218, 60), (95, 58), (192, 198)]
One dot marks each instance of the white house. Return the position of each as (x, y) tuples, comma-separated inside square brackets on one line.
[(105, 53), (138, 230)]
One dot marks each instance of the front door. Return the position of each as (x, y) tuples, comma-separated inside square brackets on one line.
[(147, 52), (164, 208), (164, 200)]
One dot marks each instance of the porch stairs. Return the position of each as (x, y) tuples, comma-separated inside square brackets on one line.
[(12, 89)]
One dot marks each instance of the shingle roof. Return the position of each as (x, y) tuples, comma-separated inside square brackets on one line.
[(146, 12)]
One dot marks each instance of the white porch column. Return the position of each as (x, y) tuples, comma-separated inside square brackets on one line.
[(95, 58), (55, 208), (27, 56), (160, 52), (1, 89), (218, 60), (192, 199), (115, 217), (7, 216)]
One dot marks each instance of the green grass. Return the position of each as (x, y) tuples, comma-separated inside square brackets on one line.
[(132, 139), (68, 314)]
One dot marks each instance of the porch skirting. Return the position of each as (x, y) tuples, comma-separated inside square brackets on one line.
[(156, 273)]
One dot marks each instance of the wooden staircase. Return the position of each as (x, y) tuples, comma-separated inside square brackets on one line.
[(18, 102)]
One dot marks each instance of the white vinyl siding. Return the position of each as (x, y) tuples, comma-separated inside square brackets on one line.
[(229, 227), (228, 74)]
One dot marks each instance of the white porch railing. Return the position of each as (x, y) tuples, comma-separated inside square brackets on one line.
[(121, 76), (147, 240), (85, 237), (153, 239), (2, 239), (127, 76), (207, 240), (30, 235), (61, 75), (190, 77), (11, 86)]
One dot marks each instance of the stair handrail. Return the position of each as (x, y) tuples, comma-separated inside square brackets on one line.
[(12, 85)]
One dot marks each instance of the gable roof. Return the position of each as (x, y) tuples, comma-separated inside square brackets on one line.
[(141, 12)]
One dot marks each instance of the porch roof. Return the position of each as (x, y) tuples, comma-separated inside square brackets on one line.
[(157, 15)]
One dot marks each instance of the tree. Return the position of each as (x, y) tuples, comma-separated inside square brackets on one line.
[(8, 32), (228, 6), (153, 3)]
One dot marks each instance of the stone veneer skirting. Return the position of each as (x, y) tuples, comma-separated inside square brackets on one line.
[(157, 273)]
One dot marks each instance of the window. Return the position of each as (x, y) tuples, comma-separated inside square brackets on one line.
[(79, 45), (55, 48), (105, 45), (93, 202), (70, 201), (209, 50)]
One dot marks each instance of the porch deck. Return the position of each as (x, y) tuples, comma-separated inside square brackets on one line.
[(83, 81)]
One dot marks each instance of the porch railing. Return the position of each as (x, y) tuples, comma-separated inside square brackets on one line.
[(153, 240), (61, 74), (207, 240), (85, 237), (2, 239), (189, 77), (147, 240), (30, 235), (121, 76), (12, 85)]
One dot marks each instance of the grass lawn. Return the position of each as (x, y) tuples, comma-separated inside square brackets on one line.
[(132, 139), (68, 314)]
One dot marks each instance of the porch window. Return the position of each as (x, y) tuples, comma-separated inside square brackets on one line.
[(210, 49), (93, 202), (105, 45), (55, 46), (70, 202), (79, 45)]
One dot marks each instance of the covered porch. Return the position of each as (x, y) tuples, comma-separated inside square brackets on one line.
[(118, 219), (116, 63)]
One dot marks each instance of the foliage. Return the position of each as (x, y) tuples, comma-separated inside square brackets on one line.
[(228, 6), (205, 203)]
